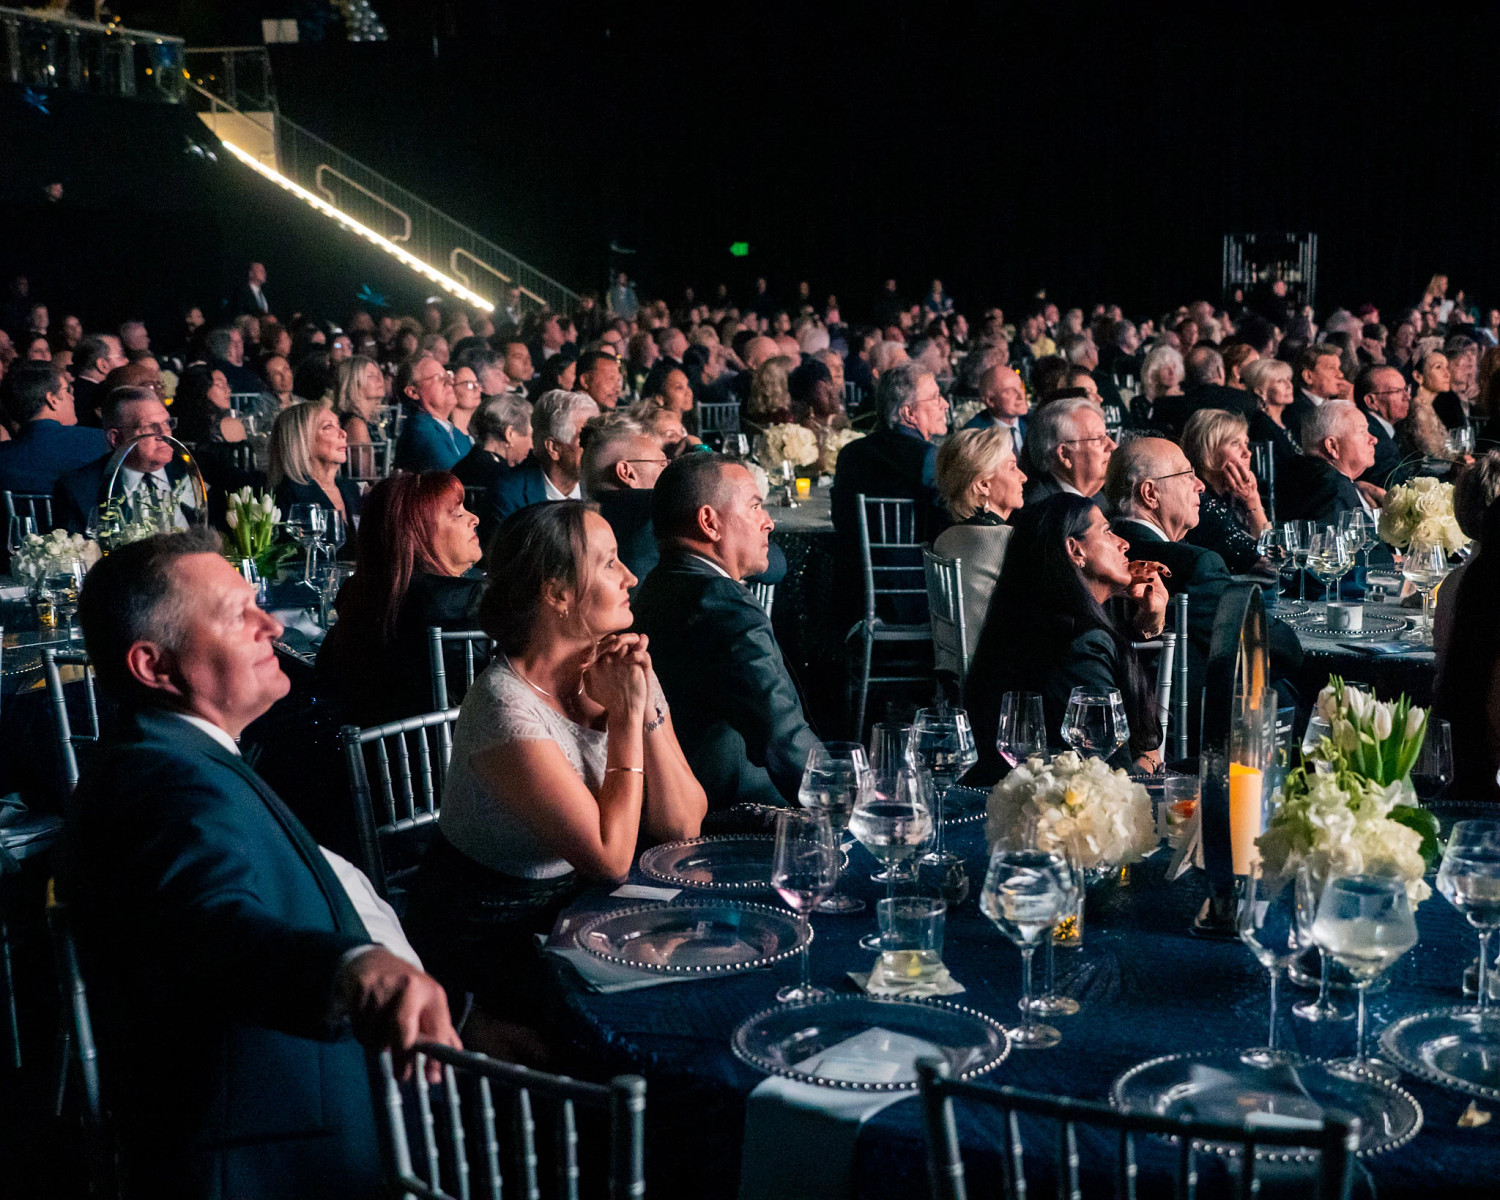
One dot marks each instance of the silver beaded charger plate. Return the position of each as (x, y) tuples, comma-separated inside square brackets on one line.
[(708, 937), (730, 864), (1374, 627), (1217, 1085), (1446, 1046), (964, 805), (869, 1043)]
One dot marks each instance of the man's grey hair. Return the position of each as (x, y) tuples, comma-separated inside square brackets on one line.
[(498, 414), (1328, 420), (1055, 424), (1133, 462), (1204, 365), (219, 340), (558, 415), (1344, 321), (883, 355), (897, 390), (1454, 347), (1074, 347), (1122, 332), (604, 447), (813, 339)]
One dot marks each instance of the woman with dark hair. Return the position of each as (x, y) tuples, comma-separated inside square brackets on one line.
[(1468, 686), (201, 407), (417, 551), (1047, 629), (560, 372), (564, 758)]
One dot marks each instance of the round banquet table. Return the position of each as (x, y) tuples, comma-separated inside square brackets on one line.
[(1411, 671), (1147, 988)]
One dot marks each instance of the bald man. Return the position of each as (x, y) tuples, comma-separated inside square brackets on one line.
[(1004, 398), (1152, 487)]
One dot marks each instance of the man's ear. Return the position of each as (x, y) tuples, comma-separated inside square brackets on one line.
[(154, 666), (709, 525), (1149, 494), (625, 473)]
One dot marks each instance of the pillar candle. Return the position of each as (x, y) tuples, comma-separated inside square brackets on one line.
[(804, 487), (1245, 786)]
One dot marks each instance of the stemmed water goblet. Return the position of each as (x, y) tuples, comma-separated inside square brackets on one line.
[(1094, 723), (1469, 879), (1425, 566), (1309, 892), (1365, 922), (1022, 731), (1267, 923), (1295, 536), (943, 742), (1358, 528), (335, 533), (804, 869), (890, 750), (835, 776), (307, 523), (1071, 878), (19, 529), (1328, 559), (893, 819), (1023, 897)]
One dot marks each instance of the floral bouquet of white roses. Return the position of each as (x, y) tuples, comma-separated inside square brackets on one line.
[(786, 443), (1350, 806), (1098, 813), (45, 554), (1421, 512), (834, 441), (253, 521), (143, 513)]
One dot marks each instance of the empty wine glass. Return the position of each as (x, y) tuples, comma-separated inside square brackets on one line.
[(1309, 893), (1023, 897), (1424, 567), (836, 774), (1469, 879), (1094, 723), (1022, 731), (335, 532), (943, 742), (1358, 528), (1433, 770), (804, 869), (1365, 922), (1071, 876), (306, 523), (1295, 536), (1328, 559), (19, 529), (1267, 922)]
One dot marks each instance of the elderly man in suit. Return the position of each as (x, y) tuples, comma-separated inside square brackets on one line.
[(552, 472), (129, 412), (237, 971), (1070, 450), (1384, 396), (1154, 490), (739, 716), (428, 440), (1337, 448), (51, 441), (1004, 398), (1319, 380)]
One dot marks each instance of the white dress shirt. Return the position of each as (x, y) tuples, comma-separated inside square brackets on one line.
[(554, 494)]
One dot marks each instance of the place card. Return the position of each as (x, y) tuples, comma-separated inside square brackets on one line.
[(640, 891)]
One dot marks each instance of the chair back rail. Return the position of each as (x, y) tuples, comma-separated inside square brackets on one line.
[(36, 505), (53, 661), (945, 606), (1335, 1140), (765, 595), (437, 661), (719, 418), (461, 1134)]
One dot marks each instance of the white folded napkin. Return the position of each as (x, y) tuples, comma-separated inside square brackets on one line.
[(880, 982)]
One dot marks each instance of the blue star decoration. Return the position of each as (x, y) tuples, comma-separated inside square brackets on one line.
[(367, 295), (37, 99)]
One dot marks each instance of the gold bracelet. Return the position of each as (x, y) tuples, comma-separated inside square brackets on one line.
[(636, 770)]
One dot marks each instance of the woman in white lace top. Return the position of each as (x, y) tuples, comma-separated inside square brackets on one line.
[(564, 756)]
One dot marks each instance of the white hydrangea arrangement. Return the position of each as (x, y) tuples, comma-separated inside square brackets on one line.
[(1350, 806), (833, 441), (786, 443), (965, 412), (1421, 513), (1098, 812), (44, 554), (758, 473)]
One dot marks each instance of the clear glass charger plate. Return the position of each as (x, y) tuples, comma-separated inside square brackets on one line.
[(1445, 1046), (728, 864), (700, 938), (964, 805), (1216, 1085), (1374, 627), (1286, 609), (869, 1043)]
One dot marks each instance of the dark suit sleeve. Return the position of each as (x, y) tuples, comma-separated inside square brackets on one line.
[(66, 510), (213, 934), (760, 701)]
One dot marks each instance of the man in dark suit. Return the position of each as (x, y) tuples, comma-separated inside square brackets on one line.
[(251, 298), (552, 472), (1153, 487), (1318, 379), (737, 711), (1385, 398), (1070, 449), (898, 460), (1337, 448), (1004, 398), (50, 442), (237, 972), (128, 413), (96, 356), (428, 441), (1204, 367), (620, 468)]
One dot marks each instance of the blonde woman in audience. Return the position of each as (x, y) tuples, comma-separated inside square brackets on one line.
[(307, 449), (1231, 517), (770, 401), (1162, 373), (359, 389)]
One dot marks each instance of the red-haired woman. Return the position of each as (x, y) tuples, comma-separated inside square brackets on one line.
[(417, 553)]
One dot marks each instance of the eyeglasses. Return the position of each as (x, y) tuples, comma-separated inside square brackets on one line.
[(660, 462), (1173, 475), (468, 385), (159, 429), (1393, 392), (1098, 437)]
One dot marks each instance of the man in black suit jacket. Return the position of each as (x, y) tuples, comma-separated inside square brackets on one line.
[(1384, 395), (737, 711), (1337, 448), (1070, 449), (251, 298), (1206, 389), (1153, 487), (153, 463), (552, 472), (51, 442), (225, 954), (1318, 379)]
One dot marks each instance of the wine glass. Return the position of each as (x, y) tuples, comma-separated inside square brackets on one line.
[(1328, 559), (1295, 536), (1309, 893), (836, 774), (306, 523), (893, 818), (1022, 731), (1433, 770), (1267, 923), (1095, 723), (1469, 879), (804, 869), (1460, 442), (1365, 922), (1424, 567), (19, 529), (66, 585), (1023, 897), (1071, 876), (335, 532), (943, 742), (1358, 528), (890, 750)]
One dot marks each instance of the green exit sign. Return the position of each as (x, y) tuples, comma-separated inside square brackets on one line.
[(739, 249)]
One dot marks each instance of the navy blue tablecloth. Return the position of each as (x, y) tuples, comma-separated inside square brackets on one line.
[(1147, 987)]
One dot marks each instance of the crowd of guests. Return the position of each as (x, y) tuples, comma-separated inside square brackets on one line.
[(540, 481)]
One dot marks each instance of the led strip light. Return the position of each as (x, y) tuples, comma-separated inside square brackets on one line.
[(404, 256)]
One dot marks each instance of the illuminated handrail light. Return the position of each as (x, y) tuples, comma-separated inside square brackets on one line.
[(403, 256)]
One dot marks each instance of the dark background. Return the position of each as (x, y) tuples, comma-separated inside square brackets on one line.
[(1100, 152)]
